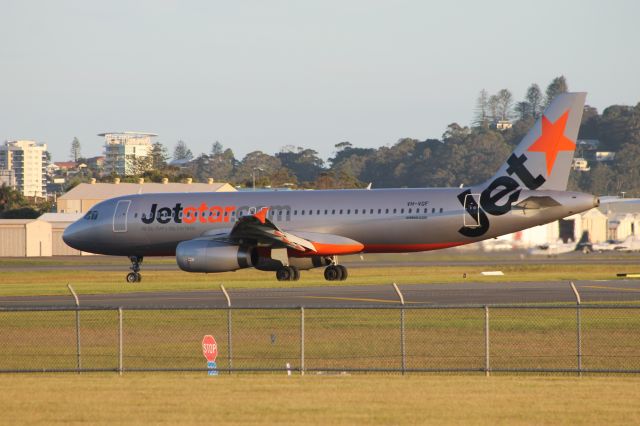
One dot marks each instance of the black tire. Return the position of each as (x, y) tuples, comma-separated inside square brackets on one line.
[(132, 277), (343, 272), (283, 274), (139, 277), (332, 273), (295, 273)]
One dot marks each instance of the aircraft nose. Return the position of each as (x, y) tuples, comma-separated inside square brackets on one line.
[(72, 235)]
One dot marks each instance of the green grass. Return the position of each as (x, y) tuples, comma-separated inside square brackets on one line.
[(530, 338), (26, 282), (277, 399)]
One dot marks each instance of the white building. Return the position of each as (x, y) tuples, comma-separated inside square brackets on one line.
[(126, 152), (28, 162)]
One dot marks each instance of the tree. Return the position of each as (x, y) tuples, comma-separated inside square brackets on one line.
[(304, 163), (493, 108), (159, 156), (534, 98), (481, 118), (558, 85), (75, 149), (216, 148), (523, 109), (504, 104), (182, 152), (10, 198), (138, 165)]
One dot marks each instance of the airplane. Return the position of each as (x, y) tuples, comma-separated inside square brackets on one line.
[(289, 231)]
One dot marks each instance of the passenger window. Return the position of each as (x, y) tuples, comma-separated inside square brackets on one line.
[(310, 212), (440, 209), (302, 212), (433, 210), (333, 212), (325, 212), (379, 211), (295, 212), (409, 211), (340, 211), (356, 212), (394, 211), (349, 211), (426, 210), (386, 211), (371, 211), (401, 210), (317, 211)]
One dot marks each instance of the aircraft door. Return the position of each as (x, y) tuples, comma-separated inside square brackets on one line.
[(471, 214), (120, 216)]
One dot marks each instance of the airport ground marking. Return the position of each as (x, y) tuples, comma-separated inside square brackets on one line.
[(360, 299), (602, 287)]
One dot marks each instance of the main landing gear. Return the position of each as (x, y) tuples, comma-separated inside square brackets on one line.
[(288, 273), (335, 273), (134, 276)]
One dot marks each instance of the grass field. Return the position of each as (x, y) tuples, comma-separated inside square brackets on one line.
[(29, 282), (270, 399)]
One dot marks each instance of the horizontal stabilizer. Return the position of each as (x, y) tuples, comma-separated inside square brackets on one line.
[(537, 202)]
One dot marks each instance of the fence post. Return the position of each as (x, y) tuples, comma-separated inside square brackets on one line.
[(578, 328), (229, 339), (120, 342), (78, 356), (402, 333), (302, 340), (487, 365)]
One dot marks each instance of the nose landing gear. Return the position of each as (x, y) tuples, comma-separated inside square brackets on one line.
[(134, 276)]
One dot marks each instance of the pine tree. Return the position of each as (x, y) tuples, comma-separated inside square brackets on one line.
[(75, 149)]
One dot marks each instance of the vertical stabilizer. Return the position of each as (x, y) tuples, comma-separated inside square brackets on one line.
[(543, 158)]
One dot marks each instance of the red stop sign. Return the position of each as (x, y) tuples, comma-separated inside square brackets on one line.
[(209, 348)]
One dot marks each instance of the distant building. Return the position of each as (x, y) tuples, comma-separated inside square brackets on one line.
[(28, 162), (580, 164), (81, 198), (589, 144), (503, 125), (96, 164), (8, 178), (604, 156), (126, 152)]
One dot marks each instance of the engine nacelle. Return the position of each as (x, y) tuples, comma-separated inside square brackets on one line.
[(212, 256)]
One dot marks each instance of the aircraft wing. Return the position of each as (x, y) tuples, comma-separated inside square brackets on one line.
[(259, 229)]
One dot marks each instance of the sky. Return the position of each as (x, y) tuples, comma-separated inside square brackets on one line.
[(259, 75)]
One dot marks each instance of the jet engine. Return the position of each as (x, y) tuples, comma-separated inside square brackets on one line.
[(202, 255)]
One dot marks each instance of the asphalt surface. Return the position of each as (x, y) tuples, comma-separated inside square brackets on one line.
[(346, 295)]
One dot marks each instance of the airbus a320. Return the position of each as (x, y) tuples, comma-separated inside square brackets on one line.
[(289, 231)]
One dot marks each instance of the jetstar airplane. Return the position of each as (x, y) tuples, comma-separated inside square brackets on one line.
[(291, 231)]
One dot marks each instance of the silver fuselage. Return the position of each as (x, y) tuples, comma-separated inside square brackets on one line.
[(383, 220)]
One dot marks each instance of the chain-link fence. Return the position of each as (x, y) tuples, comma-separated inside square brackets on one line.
[(532, 338)]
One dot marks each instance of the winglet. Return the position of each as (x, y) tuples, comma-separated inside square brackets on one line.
[(262, 214)]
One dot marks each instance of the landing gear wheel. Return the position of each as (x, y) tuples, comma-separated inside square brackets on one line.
[(284, 274), (295, 273), (343, 272), (134, 276), (332, 273)]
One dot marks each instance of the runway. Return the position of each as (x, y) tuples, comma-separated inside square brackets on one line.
[(623, 291)]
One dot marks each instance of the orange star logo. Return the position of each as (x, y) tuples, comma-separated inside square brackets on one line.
[(553, 140)]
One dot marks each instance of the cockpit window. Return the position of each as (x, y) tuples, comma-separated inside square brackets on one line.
[(91, 215)]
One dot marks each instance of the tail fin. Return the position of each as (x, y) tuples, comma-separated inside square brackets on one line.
[(542, 160)]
